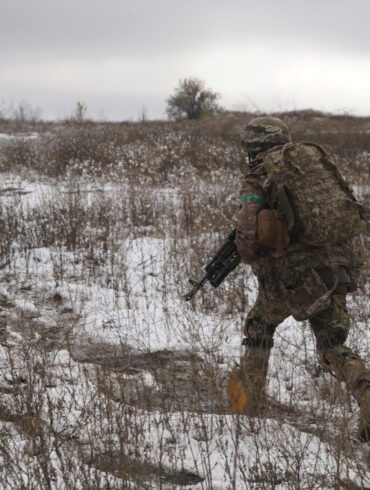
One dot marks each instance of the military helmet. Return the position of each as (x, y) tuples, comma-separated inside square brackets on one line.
[(263, 133)]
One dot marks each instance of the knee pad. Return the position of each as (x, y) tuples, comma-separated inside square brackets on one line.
[(256, 328)]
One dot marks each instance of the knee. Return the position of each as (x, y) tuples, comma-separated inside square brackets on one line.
[(331, 327), (328, 356), (338, 357), (331, 348), (258, 332), (332, 342)]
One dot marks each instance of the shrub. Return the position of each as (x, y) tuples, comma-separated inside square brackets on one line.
[(191, 100)]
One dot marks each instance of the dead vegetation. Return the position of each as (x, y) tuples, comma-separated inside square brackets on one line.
[(93, 268)]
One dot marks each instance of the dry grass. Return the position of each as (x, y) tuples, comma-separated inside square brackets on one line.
[(80, 414)]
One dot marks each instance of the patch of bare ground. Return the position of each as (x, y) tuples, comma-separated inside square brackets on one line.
[(123, 468)]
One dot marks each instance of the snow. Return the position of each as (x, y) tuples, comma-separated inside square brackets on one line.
[(21, 136), (146, 313)]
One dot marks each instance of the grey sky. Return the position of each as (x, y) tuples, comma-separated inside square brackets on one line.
[(121, 55)]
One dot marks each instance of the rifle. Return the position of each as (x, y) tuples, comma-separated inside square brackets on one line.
[(222, 263)]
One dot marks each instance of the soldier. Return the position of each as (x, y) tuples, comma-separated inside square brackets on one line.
[(308, 282)]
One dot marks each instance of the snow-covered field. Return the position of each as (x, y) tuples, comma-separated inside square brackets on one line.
[(109, 379)]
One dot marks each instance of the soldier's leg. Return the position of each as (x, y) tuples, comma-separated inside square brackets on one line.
[(331, 329), (267, 313)]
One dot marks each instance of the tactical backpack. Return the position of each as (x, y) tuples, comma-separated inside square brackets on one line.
[(308, 189)]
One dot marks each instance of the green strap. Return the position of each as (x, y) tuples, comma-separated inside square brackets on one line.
[(253, 197)]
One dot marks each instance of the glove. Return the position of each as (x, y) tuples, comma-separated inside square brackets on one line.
[(272, 230)]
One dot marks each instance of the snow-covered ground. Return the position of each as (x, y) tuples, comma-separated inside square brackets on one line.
[(19, 136), (118, 367)]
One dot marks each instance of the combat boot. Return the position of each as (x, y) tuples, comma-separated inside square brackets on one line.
[(236, 392), (364, 425), (246, 386), (254, 367), (243, 396)]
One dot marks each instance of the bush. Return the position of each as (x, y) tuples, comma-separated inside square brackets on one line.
[(191, 100)]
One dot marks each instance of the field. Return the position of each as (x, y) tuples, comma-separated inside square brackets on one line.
[(108, 378)]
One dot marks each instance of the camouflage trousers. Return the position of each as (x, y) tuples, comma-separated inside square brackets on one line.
[(330, 327)]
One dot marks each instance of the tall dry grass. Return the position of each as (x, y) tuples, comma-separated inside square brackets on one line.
[(83, 415)]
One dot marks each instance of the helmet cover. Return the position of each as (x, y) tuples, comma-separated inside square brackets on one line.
[(263, 133)]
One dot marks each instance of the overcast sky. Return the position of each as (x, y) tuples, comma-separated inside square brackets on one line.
[(124, 56)]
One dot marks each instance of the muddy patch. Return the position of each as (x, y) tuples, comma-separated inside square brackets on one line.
[(126, 468), (167, 380)]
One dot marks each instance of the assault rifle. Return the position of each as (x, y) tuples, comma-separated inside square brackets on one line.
[(222, 263)]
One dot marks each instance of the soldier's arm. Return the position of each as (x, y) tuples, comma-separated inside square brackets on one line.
[(253, 198)]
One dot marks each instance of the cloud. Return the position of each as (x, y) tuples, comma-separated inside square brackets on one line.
[(97, 28), (286, 52), (294, 77), (279, 76)]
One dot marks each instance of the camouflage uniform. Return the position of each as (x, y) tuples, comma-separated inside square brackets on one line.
[(289, 284)]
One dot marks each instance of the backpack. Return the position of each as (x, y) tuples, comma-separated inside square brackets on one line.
[(308, 189)]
